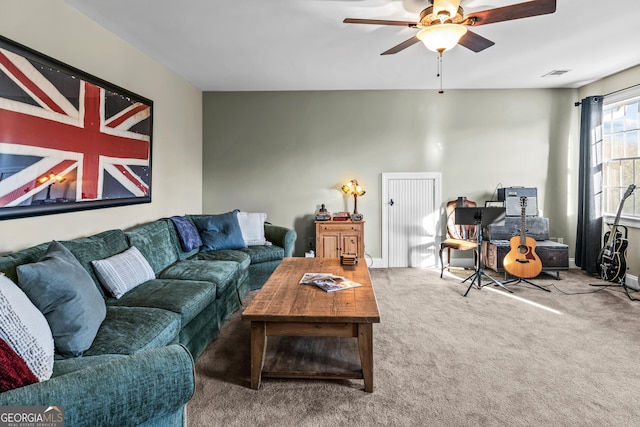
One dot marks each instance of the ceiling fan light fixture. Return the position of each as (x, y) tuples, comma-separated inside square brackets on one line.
[(447, 7), (441, 37), (444, 16)]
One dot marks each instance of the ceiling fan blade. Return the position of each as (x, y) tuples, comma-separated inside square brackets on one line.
[(402, 46), (475, 42), (515, 11), (380, 22)]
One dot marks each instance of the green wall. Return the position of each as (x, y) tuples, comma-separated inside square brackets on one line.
[(285, 153)]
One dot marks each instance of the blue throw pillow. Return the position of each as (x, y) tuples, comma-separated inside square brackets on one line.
[(187, 233), (220, 231), (67, 296)]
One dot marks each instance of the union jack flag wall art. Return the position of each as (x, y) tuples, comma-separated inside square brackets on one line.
[(68, 141)]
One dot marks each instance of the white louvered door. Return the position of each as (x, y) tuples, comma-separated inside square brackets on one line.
[(411, 203)]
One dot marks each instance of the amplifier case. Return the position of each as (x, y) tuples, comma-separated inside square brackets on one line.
[(553, 256), (511, 198), (536, 227)]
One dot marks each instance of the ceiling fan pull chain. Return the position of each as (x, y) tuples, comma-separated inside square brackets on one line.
[(440, 71)]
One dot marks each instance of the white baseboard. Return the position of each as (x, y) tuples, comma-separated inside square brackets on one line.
[(632, 282), (375, 263)]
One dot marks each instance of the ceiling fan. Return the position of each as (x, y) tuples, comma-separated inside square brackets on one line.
[(444, 24)]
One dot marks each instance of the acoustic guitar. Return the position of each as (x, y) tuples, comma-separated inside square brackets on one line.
[(521, 260), (612, 260)]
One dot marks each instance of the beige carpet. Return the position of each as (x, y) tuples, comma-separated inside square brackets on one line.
[(532, 358)]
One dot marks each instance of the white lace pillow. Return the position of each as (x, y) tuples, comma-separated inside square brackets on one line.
[(25, 329), (124, 271), (252, 227)]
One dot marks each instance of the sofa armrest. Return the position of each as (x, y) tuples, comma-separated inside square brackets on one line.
[(281, 236), (129, 390)]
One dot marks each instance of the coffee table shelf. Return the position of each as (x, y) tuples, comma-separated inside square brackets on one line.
[(312, 358)]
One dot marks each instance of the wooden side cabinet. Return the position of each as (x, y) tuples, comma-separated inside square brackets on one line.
[(334, 238)]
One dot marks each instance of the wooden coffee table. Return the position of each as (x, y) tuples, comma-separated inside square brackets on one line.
[(321, 321)]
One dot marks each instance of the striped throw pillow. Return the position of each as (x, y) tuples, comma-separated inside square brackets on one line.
[(124, 271)]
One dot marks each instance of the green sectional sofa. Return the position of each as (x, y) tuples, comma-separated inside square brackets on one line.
[(139, 368)]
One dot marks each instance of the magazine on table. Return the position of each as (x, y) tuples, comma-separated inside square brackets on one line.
[(328, 282)]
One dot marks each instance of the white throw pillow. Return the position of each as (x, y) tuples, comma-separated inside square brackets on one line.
[(25, 329), (252, 227), (124, 271)]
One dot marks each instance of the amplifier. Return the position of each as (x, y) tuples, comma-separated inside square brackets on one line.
[(511, 198)]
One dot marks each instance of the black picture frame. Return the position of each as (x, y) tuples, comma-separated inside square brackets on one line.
[(69, 140)]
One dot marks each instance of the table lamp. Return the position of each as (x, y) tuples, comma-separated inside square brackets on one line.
[(352, 187)]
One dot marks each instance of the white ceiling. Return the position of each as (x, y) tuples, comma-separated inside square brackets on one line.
[(266, 45)]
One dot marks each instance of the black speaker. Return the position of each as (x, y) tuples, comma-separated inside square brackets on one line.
[(511, 198)]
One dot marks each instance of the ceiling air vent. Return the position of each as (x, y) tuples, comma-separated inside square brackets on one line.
[(555, 73)]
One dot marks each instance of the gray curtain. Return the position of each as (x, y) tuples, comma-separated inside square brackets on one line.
[(589, 236)]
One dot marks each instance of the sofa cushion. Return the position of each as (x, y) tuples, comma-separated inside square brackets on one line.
[(65, 293), (26, 343), (261, 254), (115, 240), (154, 242), (9, 262), (234, 255), (187, 233), (185, 297), (98, 246), (221, 231), (252, 227), (124, 271), (222, 273), (129, 330), (66, 366)]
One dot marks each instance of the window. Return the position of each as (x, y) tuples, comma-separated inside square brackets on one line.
[(620, 151)]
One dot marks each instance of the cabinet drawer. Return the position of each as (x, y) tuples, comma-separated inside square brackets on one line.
[(340, 227)]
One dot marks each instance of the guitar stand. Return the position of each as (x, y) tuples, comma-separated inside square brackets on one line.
[(468, 216), (520, 280), (619, 284), (613, 235), (478, 276)]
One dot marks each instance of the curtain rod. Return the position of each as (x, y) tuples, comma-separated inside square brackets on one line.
[(577, 104), (620, 90)]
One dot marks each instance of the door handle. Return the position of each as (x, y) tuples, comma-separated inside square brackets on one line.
[(391, 202)]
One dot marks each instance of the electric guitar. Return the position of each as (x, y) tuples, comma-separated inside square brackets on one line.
[(612, 260), (522, 261)]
